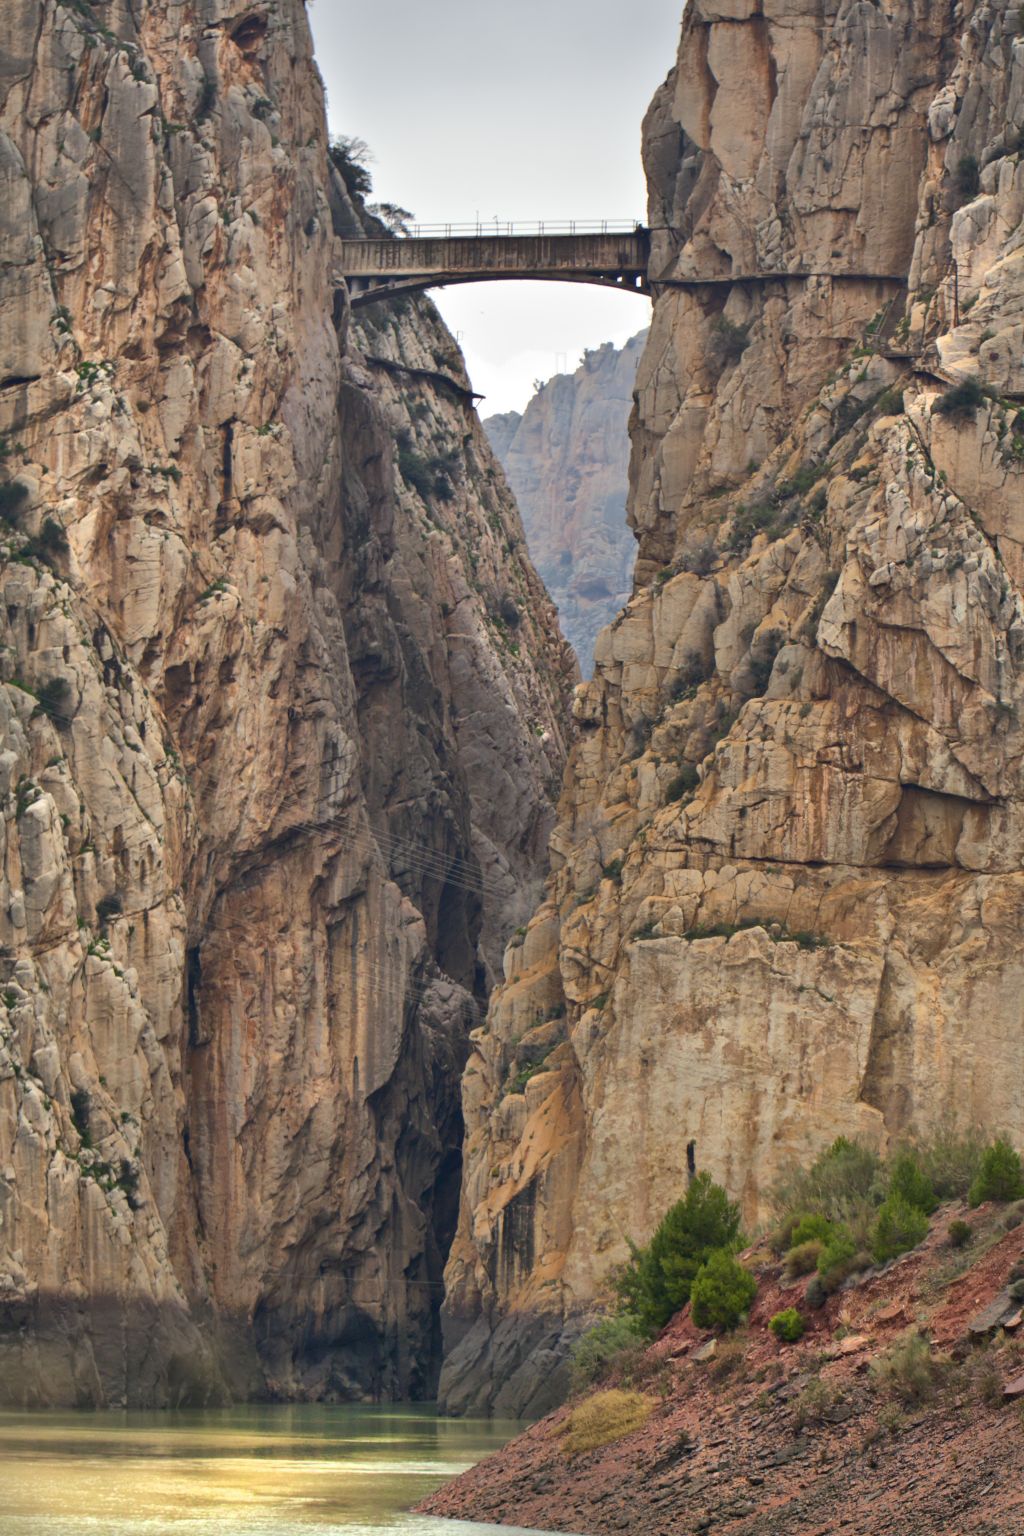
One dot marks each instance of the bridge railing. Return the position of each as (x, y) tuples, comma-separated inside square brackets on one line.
[(491, 227)]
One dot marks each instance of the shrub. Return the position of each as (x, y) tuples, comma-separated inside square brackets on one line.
[(727, 342), (509, 610), (788, 1326), (999, 1175), (603, 1347), (81, 1104), (898, 1228), (815, 1296), (967, 178), (603, 1419), (729, 1357), (909, 1371), (699, 558), (951, 1161), (961, 402), (838, 1184), (908, 1180), (722, 1293), (802, 1258), (809, 1227), (659, 1278), (684, 783), (108, 907), (54, 699), (12, 496), (960, 1234), (836, 1259), (816, 1402), (349, 156)]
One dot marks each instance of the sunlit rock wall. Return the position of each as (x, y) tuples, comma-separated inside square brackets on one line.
[(788, 889)]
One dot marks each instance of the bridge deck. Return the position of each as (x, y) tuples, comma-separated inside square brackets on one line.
[(372, 268)]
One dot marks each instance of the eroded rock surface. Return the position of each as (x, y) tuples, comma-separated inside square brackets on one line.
[(276, 776), (567, 461), (788, 886)]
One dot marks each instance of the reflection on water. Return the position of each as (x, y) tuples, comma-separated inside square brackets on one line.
[(254, 1471)]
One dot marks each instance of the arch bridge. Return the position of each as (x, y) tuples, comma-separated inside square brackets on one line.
[(435, 256)]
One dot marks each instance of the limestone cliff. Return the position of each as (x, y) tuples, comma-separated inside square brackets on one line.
[(788, 894), (567, 461), (281, 711)]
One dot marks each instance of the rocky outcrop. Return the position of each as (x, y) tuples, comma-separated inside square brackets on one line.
[(281, 720), (789, 875), (567, 461)]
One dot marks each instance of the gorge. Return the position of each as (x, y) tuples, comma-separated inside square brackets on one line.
[(356, 954)]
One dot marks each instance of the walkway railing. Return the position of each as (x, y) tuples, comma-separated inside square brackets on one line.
[(489, 227)]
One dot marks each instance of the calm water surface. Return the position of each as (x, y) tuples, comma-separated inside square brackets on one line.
[(289, 1471)]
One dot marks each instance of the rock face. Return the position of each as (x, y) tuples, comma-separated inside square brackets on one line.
[(788, 886), (567, 461), (281, 721)]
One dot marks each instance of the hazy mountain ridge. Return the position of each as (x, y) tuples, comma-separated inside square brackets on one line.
[(567, 461)]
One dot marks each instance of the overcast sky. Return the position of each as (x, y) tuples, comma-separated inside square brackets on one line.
[(520, 109)]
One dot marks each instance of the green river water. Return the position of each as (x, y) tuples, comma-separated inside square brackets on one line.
[(255, 1471)]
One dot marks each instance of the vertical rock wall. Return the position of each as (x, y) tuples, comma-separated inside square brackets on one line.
[(275, 771), (788, 886)]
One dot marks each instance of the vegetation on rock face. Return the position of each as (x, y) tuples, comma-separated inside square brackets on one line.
[(723, 1292), (788, 1325), (1000, 1175), (658, 1280), (910, 1371), (608, 1344), (603, 1419), (900, 1226), (349, 157), (961, 402)]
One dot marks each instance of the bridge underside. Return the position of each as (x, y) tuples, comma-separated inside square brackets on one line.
[(370, 290)]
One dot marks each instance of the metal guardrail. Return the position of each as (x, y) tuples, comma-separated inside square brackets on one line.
[(491, 227)]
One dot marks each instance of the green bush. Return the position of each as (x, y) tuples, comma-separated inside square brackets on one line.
[(835, 1261), (815, 1295), (898, 1228), (999, 1177), (658, 1280), (908, 1180), (838, 1185), (809, 1227), (723, 1292), (961, 402), (951, 1160), (960, 1234), (603, 1347), (802, 1258), (788, 1326)]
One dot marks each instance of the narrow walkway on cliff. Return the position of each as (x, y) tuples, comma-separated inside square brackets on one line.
[(605, 253)]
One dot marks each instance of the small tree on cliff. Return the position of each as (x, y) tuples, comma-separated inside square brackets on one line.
[(659, 1278)]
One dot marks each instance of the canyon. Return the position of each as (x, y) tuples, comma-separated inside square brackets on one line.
[(355, 953)]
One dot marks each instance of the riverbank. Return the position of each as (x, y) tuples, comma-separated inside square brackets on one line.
[(752, 1437)]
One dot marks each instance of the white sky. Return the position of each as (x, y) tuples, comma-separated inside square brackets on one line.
[(524, 109)]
